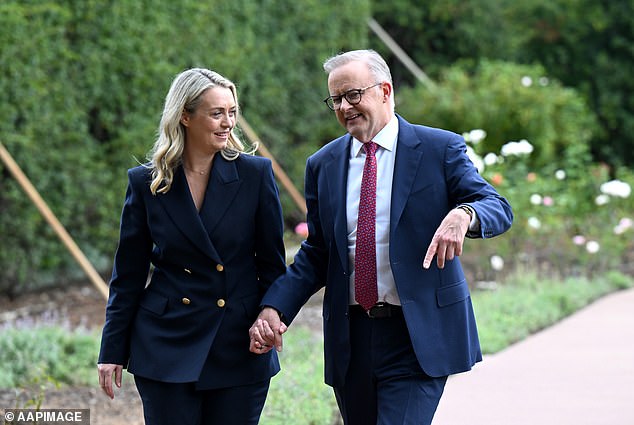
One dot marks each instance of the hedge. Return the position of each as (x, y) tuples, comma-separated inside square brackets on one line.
[(82, 87)]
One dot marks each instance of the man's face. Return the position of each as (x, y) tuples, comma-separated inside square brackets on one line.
[(365, 119)]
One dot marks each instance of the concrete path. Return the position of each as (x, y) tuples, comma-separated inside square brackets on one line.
[(577, 372)]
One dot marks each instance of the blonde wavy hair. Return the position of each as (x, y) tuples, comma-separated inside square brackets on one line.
[(185, 95)]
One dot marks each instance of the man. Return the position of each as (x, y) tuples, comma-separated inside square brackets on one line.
[(396, 324)]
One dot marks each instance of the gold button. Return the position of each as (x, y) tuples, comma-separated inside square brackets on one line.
[(220, 303), (186, 301), (220, 267)]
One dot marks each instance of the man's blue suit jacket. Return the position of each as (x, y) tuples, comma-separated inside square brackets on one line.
[(432, 175), (191, 322)]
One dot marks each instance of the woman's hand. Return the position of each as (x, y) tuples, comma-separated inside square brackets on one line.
[(266, 332), (106, 370)]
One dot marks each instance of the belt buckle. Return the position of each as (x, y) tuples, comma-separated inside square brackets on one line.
[(379, 311)]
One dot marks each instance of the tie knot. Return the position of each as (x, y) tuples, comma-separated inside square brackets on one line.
[(370, 148)]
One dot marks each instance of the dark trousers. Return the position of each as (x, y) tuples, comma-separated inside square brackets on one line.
[(385, 384), (168, 403)]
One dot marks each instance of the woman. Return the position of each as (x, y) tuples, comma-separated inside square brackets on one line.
[(200, 242)]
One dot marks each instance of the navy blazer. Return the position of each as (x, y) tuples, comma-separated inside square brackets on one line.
[(209, 273), (432, 175)]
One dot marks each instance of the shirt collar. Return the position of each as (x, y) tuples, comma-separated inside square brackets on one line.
[(386, 138)]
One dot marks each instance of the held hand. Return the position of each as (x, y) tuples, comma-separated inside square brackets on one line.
[(448, 239), (105, 377), (266, 332)]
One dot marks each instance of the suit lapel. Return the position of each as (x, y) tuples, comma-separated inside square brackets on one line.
[(222, 188), (337, 177), (408, 157), (180, 207)]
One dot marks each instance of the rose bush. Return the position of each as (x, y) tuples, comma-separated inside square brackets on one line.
[(572, 216)]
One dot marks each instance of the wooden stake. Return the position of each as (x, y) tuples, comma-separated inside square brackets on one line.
[(400, 54), (279, 172), (52, 220)]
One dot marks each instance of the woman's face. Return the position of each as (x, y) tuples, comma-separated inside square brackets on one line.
[(208, 127)]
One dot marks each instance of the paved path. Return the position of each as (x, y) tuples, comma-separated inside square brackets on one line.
[(578, 372)]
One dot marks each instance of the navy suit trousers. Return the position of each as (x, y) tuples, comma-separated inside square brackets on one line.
[(167, 403), (385, 384)]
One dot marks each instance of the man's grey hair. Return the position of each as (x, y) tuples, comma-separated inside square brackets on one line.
[(375, 62), (378, 68)]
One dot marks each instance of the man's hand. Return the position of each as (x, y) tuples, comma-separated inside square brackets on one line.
[(266, 332), (105, 377), (448, 239)]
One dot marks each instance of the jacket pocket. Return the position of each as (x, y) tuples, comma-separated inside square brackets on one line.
[(154, 303), (452, 294)]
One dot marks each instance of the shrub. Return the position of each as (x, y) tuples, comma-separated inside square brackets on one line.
[(27, 355), (510, 101), (83, 87), (571, 217)]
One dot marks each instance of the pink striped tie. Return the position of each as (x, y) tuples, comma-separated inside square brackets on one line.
[(365, 288)]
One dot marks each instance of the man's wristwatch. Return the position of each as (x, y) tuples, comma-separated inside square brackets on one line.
[(466, 209)]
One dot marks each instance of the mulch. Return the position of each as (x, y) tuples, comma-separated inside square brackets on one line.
[(72, 306)]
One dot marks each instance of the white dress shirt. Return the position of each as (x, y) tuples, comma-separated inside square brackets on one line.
[(385, 156)]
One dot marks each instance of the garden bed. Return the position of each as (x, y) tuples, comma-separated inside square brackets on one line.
[(80, 305)]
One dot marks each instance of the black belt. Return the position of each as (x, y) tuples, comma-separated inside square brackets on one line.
[(379, 310)]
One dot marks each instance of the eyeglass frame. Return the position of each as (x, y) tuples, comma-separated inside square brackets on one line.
[(358, 92)]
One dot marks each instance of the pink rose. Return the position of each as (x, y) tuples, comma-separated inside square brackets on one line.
[(302, 229)]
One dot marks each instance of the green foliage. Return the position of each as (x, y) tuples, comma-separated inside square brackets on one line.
[(528, 303), (28, 355), (298, 393), (437, 33), (585, 44), (566, 222), (83, 87), (44, 127), (31, 395), (84, 83), (588, 45), (35, 356), (281, 79), (510, 101)]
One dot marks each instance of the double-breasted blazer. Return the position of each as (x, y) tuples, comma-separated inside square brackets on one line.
[(432, 175), (186, 286)]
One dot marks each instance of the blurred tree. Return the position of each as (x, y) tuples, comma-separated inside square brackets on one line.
[(589, 44), (510, 102), (436, 33), (586, 44)]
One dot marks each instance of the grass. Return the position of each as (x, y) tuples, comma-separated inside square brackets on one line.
[(523, 305), (527, 303), (298, 394)]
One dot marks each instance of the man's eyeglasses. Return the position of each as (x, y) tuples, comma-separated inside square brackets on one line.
[(352, 96)]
